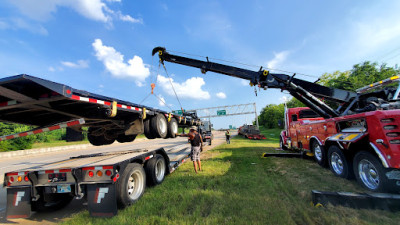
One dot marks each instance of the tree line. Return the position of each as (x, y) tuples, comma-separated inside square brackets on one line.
[(360, 75)]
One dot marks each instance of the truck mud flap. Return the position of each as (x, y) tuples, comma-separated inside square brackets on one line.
[(383, 201), (102, 200), (18, 203)]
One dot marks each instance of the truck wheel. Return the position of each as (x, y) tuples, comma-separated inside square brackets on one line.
[(370, 173), (159, 126), (58, 201), (209, 141), (172, 128), (338, 163), (95, 140), (122, 138), (281, 145), (155, 170), (147, 130), (319, 153), (131, 185)]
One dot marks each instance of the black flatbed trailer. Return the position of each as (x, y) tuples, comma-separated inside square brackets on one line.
[(107, 181), (34, 101)]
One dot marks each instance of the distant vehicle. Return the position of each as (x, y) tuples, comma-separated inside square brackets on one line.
[(205, 130), (251, 132)]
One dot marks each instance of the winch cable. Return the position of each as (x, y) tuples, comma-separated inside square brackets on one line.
[(170, 81)]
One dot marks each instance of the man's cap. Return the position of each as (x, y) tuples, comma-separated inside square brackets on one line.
[(193, 128)]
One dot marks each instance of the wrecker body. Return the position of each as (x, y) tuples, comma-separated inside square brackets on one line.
[(361, 138)]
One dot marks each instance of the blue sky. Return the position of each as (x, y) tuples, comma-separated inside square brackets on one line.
[(104, 46)]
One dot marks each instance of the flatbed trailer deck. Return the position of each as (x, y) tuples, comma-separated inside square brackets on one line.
[(34, 101), (107, 181)]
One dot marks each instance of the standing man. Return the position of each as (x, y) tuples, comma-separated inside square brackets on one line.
[(197, 144), (228, 137)]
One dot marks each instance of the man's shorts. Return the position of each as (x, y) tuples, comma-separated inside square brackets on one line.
[(195, 153)]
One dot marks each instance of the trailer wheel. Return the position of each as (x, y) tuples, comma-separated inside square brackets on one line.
[(338, 163), (209, 141), (319, 153), (58, 201), (159, 126), (281, 145), (131, 185), (95, 140), (155, 170), (122, 138), (172, 128), (147, 131), (370, 173)]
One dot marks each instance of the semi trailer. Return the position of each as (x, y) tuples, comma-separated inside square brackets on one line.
[(41, 103), (361, 138)]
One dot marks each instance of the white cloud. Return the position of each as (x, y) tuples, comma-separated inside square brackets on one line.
[(221, 95), (79, 64), (114, 63), (279, 58), (244, 82), (96, 10), (190, 89), (51, 69), (128, 18), (284, 99), (18, 23), (161, 100)]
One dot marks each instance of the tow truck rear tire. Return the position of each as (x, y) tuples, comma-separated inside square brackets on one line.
[(147, 131), (339, 164), (319, 154), (370, 173), (131, 185), (122, 138), (159, 126), (155, 170), (172, 128)]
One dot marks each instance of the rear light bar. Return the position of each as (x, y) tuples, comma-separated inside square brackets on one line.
[(20, 178), (100, 171)]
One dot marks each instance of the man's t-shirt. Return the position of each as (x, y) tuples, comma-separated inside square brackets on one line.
[(196, 140)]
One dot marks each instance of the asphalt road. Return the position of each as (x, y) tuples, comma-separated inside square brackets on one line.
[(28, 161)]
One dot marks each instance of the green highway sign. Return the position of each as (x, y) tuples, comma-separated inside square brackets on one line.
[(179, 112), (221, 112)]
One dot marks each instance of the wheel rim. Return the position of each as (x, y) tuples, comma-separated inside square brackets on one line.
[(337, 163), (174, 127), (368, 174), (135, 185), (281, 144), (163, 125), (318, 152), (160, 170)]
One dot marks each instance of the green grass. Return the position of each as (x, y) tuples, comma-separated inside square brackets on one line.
[(238, 186)]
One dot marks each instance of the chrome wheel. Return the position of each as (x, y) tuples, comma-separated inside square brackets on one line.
[(175, 128), (135, 185), (163, 126), (318, 152), (337, 163), (160, 170), (368, 174)]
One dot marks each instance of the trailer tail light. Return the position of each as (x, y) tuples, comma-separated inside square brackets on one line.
[(392, 134), (90, 174), (388, 120), (99, 173), (115, 178), (26, 178), (108, 172), (389, 127), (396, 141)]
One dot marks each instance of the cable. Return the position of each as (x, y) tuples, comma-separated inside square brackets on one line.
[(163, 102), (169, 78)]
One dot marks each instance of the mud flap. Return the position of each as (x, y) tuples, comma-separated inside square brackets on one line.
[(18, 202), (102, 200)]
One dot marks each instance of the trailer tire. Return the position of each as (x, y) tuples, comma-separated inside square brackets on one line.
[(122, 138), (131, 185), (281, 145), (370, 173), (339, 164), (59, 202), (95, 140), (319, 154), (172, 128), (209, 141), (147, 131), (159, 126), (155, 170)]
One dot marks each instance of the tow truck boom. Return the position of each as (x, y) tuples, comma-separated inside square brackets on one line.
[(306, 92)]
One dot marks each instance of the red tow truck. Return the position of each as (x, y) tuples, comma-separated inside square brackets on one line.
[(361, 138)]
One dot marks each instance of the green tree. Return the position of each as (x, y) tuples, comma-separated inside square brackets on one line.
[(17, 143)]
